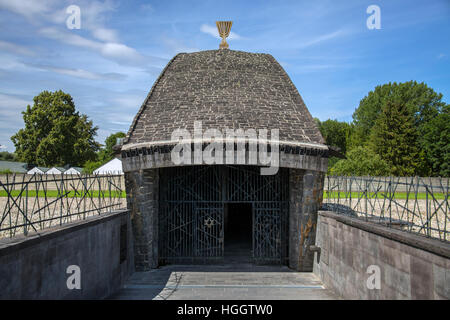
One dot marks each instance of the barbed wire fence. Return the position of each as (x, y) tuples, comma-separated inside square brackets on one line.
[(35, 202), (413, 204)]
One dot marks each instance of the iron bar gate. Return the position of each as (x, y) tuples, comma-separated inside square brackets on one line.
[(191, 212)]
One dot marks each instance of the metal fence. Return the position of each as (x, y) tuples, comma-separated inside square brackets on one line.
[(408, 203), (32, 203)]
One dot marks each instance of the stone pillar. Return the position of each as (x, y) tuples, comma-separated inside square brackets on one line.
[(306, 190), (142, 201)]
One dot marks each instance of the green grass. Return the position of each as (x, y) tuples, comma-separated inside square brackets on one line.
[(71, 194), (398, 195)]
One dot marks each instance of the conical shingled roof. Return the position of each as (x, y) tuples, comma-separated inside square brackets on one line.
[(223, 89)]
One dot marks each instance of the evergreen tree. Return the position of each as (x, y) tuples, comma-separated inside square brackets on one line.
[(437, 143), (394, 138)]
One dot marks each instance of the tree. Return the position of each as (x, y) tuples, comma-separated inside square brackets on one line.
[(423, 102), (361, 161), (336, 134), (106, 154), (55, 133), (90, 166), (7, 156), (394, 138), (436, 143)]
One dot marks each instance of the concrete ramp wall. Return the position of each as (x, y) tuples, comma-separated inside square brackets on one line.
[(353, 251), (36, 266)]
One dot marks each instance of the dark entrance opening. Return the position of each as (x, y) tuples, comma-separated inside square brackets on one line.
[(211, 214), (238, 224)]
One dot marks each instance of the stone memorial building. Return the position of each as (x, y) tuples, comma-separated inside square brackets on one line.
[(203, 212)]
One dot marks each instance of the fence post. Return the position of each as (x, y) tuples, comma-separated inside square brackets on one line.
[(365, 191), (25, 231), (109, 190), (84, 182), (390, 198), (428, 213), (350, 187)]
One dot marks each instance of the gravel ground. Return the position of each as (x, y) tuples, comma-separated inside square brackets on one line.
[(51, 208), (410, 214)]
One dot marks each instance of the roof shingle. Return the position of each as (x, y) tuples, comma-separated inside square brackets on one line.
[(223, 89)]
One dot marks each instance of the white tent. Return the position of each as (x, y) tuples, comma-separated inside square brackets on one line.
[(55, 170), (112, 167), (37, 170), (73, 170)]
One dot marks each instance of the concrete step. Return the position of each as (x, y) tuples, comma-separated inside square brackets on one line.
[(240, 281)]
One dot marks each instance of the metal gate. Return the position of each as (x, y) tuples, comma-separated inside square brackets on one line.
[(191, 212), (270, 232)]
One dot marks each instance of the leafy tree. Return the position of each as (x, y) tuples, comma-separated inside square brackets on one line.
[(106, 154), (90, 166), (361, 161), (436, 143), (423, 102), (394, 138), (7, 156), (55, 133), (335, 133)]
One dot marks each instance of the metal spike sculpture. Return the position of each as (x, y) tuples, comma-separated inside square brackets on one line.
[(224, 28)]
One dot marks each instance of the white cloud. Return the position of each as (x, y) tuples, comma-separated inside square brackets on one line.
[(212, 30), (177, 46), (8, 62), (11, 102), (147, 7), (11, 118), (27, 8), (127, 102), (80, 73), (69, 38), (107, 35), (322, 38), (15, 48), (117, 52), (106, 40), (122, 54)]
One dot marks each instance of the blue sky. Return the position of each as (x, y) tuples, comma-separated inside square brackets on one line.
[(110, 64)]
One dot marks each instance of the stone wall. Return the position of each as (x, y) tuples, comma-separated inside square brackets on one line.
[(164, 160), (142, 201), (305, 196), (35, 266), (411, 266)]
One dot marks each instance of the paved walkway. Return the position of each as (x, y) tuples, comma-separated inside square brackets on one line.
[(234, 281)]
